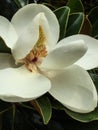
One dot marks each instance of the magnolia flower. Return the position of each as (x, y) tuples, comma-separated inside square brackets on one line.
[(42, 65)]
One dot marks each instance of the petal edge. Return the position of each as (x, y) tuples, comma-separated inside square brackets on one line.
[(75, 90)]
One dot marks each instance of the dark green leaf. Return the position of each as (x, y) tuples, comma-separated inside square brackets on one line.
[(4, 106), (62, 16), (55, 3), (43, 106), (75, 6), (83, 117), (21, 3), (26, 105), (57, 105), (49, 6), (7, 120), (68, 123), (87, 27), (95, 29), (77, 116), (93, 15), (13, 115), (8, 8), (3, 47), (0, 122), (75, 23), (18, 118), (24, 119)]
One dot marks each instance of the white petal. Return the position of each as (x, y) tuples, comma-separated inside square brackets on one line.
[(7, 32), (25, 15), (30, 36), (6, 61), (19, 85), (74, 89), (90, 59), (64, 54)]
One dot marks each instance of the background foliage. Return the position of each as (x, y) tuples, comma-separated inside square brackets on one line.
[(45, 113)]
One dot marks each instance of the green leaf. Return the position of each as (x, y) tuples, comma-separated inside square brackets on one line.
[(75, 23), (62, 15), (4, 106), (18, 118), (57, 105), (26, 105), (87, 27), (88, 117), (43, 106), (49, 6), (75, 6), (7, 120), (93, 15), (21, 3), (0, 122), (95, 29), (3, 47), (83, 117), (13, 115)]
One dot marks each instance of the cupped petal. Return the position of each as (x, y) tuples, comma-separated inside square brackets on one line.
[(19, 85), (90, 59), (6, 61), (7, 32), (31, 35), (74, 89), (64, 54), (25, 15)]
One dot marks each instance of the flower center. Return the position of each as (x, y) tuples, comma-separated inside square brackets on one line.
[(34, 58)]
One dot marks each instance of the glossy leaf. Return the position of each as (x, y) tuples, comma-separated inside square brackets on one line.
[(44, 108), (26, 105), (55, 3), (75, 23), (8, 8), (83, 117), (0, 122), (62, 16), (75, 6), (21, 3), (13, 115), (4, 106), (50, 6), (7, 120), (95, 29), (3, 47), (17, 119), (93, 15), (88, 117), (87, 27)]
